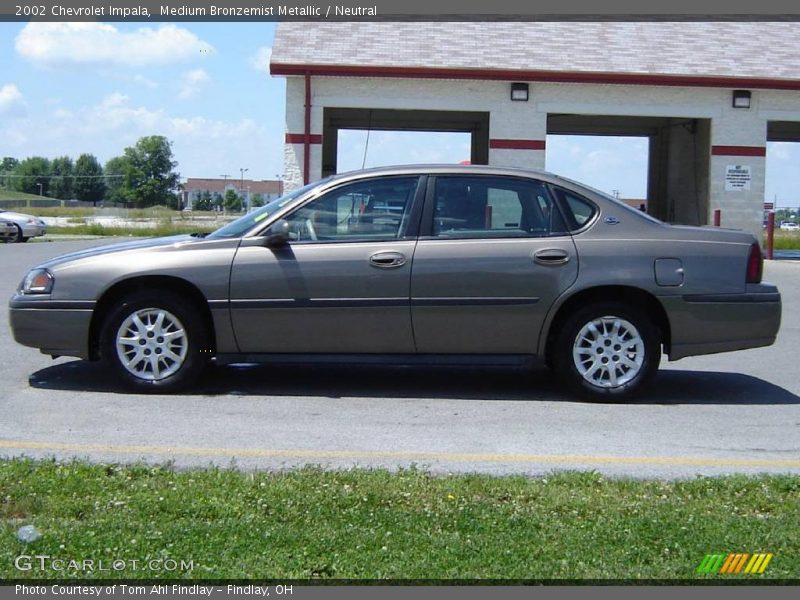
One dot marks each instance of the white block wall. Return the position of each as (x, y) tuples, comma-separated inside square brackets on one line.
[(528, 121)]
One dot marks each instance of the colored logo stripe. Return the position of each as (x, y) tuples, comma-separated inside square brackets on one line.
[(711, 563), (733, 563)]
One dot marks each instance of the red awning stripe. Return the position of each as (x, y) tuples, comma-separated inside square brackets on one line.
[(496, 144), (530, 75), (738, 151), (300, 138)]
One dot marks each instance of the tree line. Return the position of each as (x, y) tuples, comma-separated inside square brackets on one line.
[(144, 175)]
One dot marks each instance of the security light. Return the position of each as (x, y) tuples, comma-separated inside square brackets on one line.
[(519, 92), (741, 98)]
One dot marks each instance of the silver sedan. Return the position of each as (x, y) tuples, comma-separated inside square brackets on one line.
[(455, 264), (25, 226)]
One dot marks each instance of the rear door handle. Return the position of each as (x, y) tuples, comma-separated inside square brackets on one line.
[(551, 256), (387, 260)]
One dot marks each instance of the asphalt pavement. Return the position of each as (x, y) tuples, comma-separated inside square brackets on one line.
[(727, 413)]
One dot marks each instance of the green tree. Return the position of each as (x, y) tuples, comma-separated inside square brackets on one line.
[(203, 202), (232, 201), (148, 172), (115, 180), (88, 185), (257, 200), (30, 174), (7, 166), (61, 180)]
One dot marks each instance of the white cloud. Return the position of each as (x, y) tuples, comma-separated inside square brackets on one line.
[(605, 162), (202, 146), (142, 80), (11, 101), (191, 82), (779, 151), (260, 60), (62, 44)]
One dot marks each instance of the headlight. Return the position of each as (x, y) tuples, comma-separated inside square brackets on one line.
[(38, 281)]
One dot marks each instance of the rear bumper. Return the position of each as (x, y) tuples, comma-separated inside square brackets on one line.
[(59, 329), (711, 323)]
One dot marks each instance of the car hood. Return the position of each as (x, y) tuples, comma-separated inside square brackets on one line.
[(172, 240), (13, 216)]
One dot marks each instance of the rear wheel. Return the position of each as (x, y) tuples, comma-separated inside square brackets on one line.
[(16, 237), (156, 342), (607, 351)]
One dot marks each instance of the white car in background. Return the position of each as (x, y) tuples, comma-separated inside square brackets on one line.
[(27, 226), (790, 226)]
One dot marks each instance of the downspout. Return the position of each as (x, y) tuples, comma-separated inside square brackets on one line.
[(307, 136)]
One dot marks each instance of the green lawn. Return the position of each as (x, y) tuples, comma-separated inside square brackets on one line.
[(785, 240), (11, 195), (373, 524), (162, 229)]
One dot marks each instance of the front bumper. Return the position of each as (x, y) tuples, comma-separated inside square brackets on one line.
[(55, 327), (30, 230), (711, 323)]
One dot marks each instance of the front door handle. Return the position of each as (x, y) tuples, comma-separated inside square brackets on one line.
[(551, 256), (387, 260)]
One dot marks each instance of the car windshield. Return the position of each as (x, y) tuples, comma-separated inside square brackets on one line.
[(245, 223)]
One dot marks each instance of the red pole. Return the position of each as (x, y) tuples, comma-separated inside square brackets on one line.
[(770, 234), (307, 135), (717, 217)]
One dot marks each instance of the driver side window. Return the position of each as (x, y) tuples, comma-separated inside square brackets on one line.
[(375, 209)]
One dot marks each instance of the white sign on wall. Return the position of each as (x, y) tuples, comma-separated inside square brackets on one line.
[(737, 178)]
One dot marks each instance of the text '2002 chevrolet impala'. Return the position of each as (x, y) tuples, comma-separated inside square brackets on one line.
[(411, 265)]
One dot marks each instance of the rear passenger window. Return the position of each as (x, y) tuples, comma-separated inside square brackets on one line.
[(578, 211), (493, 207)]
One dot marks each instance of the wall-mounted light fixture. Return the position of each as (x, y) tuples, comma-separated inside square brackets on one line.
[(519, 92), (741, 98)]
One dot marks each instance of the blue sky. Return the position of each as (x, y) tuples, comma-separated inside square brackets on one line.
[(68, 88)]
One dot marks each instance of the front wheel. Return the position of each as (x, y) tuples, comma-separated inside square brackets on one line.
[(155, 342), (607, 351)]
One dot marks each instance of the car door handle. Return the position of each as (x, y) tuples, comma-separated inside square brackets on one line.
[(551, 256), (387, 260)]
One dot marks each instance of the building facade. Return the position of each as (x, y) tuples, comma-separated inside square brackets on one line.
[(708, 96)]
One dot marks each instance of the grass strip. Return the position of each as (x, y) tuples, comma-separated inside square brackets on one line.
[(159, 230), (375, 524)]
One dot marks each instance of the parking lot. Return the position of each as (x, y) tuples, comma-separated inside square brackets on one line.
[(735, 412)]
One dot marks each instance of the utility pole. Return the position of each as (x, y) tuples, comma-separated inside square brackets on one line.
[(242, 170)]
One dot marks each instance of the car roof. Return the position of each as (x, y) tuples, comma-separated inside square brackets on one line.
[(441, 169)]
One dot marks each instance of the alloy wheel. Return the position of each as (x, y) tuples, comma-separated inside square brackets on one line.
[(608, 352), (152, 344)]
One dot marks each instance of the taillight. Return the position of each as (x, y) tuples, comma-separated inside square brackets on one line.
[(755, 264)]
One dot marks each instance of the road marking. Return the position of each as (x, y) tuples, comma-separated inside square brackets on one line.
[(410, 456)]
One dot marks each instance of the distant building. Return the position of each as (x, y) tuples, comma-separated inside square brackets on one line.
[(247, 188), (640, 203), (707, 96)]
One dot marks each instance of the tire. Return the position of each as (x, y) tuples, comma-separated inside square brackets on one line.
[(16, 238), (152, 363), (23, 239), (607, 352)]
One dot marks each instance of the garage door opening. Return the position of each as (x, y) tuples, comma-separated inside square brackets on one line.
[(358, 148), (456, 136), (782, 179), (616, 165), (661, 162)]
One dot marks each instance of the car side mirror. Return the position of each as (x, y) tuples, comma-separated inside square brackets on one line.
[(277, 234)]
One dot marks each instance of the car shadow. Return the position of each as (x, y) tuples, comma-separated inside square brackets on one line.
[(671, 387)]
